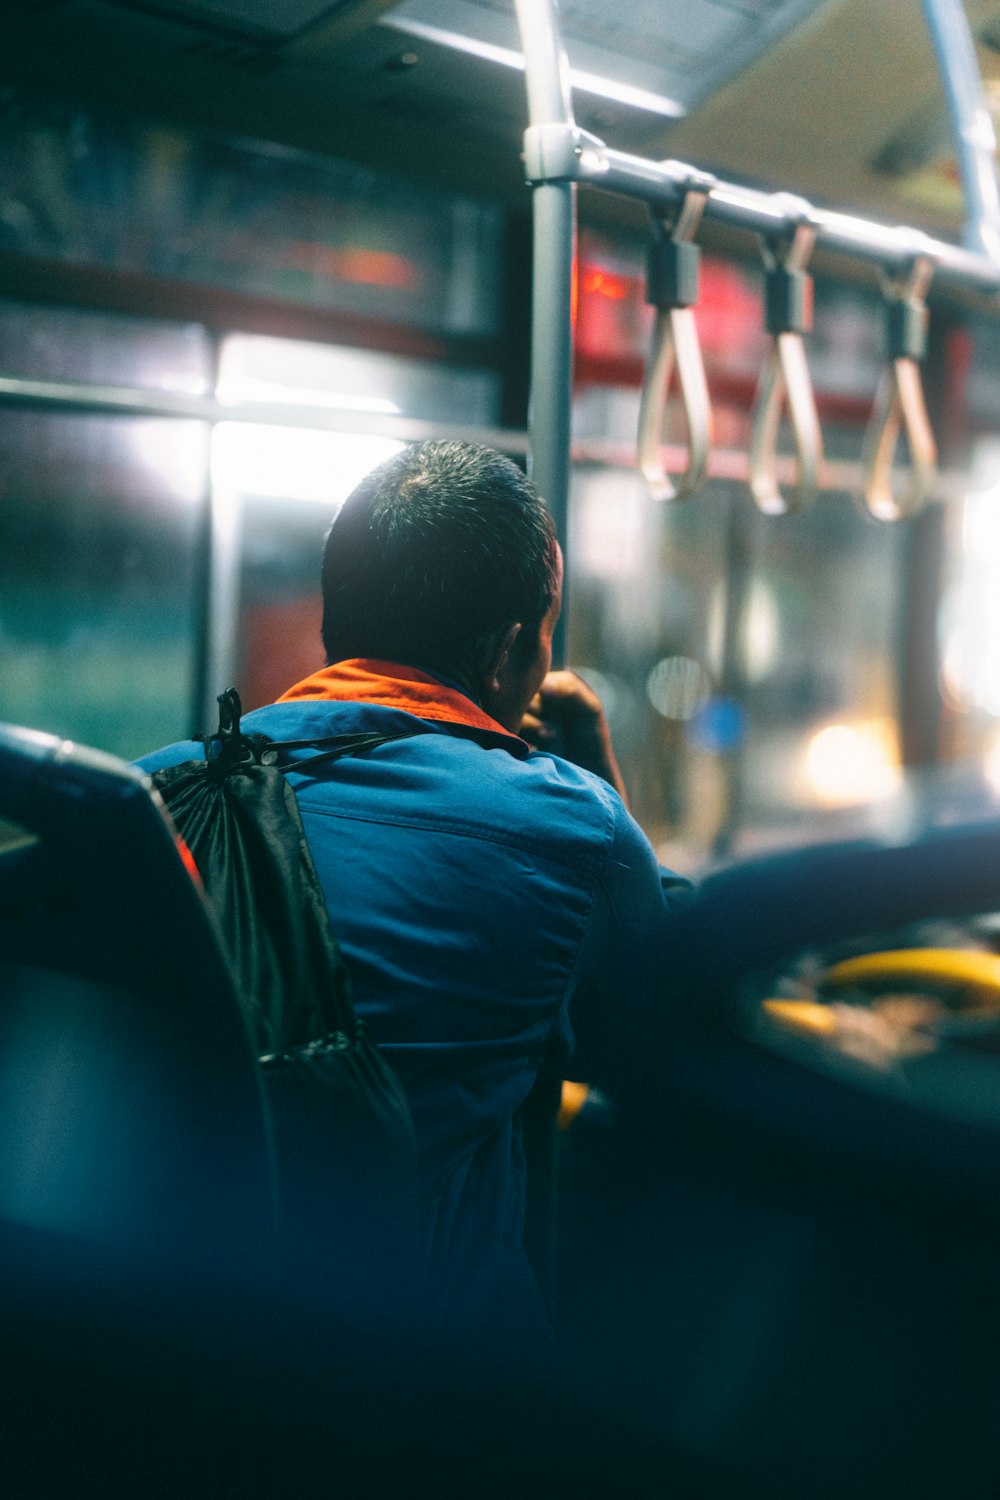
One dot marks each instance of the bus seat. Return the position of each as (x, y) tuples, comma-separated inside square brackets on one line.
[(130, 1112)]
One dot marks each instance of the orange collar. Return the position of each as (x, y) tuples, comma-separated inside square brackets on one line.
[(360, 680)]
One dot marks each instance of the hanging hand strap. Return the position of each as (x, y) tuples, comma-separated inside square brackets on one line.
[(785, 377), (672, 288), (899, 403)]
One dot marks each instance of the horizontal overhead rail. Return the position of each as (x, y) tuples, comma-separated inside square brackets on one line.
[(108, 400), (565, 153)]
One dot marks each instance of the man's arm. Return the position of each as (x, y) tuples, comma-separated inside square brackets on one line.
[(567, 717), (619, 979), (618, 976)]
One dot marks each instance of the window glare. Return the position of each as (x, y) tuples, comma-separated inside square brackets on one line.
[(257, 368), (292, 463)]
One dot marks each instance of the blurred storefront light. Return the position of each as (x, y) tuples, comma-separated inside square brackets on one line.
[(970, 618), (848, 764), (991, 765), (170, 455), (719, 726), (677, 687), (614, 535), (761, 631)]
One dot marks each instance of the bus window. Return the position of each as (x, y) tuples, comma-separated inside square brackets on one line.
[(98, 534)]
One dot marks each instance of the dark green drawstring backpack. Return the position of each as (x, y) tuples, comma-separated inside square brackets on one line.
[(343, 1138)]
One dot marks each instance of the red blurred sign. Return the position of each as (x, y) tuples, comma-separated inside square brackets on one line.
[(613, 320)]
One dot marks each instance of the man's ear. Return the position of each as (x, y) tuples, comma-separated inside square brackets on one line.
[(495, 656)]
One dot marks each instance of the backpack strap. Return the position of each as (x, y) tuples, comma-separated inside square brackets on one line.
[(235, 746), (331, 749)]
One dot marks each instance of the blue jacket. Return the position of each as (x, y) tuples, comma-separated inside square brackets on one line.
[(495, 904)]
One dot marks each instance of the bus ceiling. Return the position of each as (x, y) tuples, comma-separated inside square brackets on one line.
[(837, 100)]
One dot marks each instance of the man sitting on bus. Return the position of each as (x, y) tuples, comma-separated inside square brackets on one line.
[(496, 902)]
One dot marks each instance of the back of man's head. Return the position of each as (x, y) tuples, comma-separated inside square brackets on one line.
[(433, 553)]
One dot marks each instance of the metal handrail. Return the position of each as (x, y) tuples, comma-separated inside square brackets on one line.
[(558, 156), (569, 154)]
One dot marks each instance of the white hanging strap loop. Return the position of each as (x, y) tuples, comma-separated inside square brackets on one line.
[(785, 378), (672, 288), (899, 404)]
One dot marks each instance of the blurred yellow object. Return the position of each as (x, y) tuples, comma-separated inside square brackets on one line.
[(574, 1096), (969, 969), (807, 1016)]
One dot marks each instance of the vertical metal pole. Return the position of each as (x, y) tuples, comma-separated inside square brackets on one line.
[(206, 584), (217, 604), (921, 707), (971, 123), (552, 359), (554, 208), (202, 610), (546, 68), (741, 525), (222, 653), (218, 586), (920, 702)]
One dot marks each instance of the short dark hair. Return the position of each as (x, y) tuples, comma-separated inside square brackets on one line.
[(434, 552)]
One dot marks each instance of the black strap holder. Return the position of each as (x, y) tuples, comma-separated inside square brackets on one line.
[(788, 301), (672, 271), (906, 326)]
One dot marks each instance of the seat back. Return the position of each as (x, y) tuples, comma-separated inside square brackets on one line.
[(130, 1110)]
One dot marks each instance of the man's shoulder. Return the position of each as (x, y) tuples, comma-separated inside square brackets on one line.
[(170, 755), (565, 779), (537, 800)]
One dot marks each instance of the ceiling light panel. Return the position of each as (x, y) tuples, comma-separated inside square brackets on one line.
[(677, 50)]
